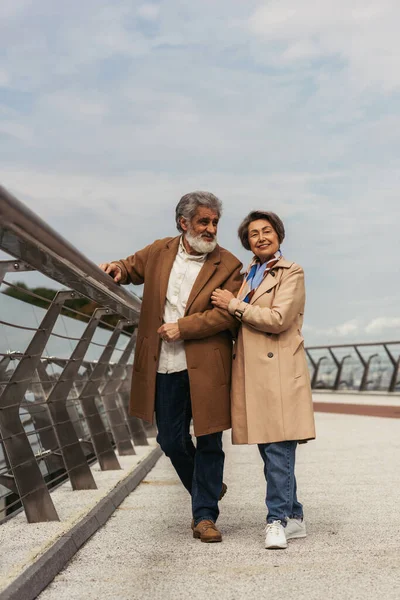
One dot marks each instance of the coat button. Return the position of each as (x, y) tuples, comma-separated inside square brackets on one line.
[(273, 273), (270, 354)]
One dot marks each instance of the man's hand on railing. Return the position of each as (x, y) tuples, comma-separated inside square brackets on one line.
[(113, 270)]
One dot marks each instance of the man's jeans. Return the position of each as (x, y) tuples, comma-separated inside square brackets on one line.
[(200, 468), (281, 500)]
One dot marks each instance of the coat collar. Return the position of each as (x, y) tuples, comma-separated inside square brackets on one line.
[(271, 279), (207, 271), (166, 261)]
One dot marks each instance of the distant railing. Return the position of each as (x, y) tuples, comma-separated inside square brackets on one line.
[(57, 412), (362, 367)]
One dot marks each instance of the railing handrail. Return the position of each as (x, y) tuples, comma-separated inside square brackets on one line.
[(24, 235), (359, 344)]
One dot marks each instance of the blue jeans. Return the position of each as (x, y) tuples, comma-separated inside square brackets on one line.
[(279, 460), (199, 468)]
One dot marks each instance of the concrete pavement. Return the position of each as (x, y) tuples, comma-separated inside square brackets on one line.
[(349, 482)]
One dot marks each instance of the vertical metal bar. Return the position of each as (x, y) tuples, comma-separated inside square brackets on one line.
[(365, 373), (135, 425), (366, 364), (340, 371), (12, 266), (313, 364), (100, 439), (78, 470), (31, 486), (314, 379), (39, 413), (396, 368), (337, 364), (74, 416), (117, 384)]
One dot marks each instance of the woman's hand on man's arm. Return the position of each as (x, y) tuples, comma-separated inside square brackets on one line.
[(221, 298)]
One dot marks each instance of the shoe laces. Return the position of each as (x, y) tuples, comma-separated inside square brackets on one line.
[(274, 527)]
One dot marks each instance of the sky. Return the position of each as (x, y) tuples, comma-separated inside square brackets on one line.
[(110, 112)]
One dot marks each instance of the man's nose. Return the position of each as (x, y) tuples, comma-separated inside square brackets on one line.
[(211, 229)]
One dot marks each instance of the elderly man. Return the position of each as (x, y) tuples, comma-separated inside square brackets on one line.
[(182, 365)]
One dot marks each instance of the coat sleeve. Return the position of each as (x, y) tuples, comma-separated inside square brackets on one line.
[(133, 267), (204, 324), (288, 303)]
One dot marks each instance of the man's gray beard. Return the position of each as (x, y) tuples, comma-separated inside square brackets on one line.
[(199, 244)]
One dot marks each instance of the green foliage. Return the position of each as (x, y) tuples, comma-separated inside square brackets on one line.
[(43, 297)]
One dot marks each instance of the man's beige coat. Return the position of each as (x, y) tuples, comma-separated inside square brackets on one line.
[(271, 392), (205, 330)]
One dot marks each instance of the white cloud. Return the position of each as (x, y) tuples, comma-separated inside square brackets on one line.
[(110, 112), (361, 33), (148, 11), (382, 324), (4, 78)]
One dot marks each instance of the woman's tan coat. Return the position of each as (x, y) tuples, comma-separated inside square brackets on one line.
[(271, 393)]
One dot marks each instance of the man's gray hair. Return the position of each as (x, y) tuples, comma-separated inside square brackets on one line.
[(189, 203)]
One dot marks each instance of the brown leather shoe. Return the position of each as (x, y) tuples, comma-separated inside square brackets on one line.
[(207, 532), (222, 494), (223, 491)]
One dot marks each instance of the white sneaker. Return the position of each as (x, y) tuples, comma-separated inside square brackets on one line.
[(295, 529), (275, 538)]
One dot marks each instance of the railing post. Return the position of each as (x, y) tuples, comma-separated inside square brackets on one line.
[(339, 366), (366, 364), (396, 368), (118, 373), (316, 366), (12, 266), (41, 418), (31, 486), (78, 470), (135, 425), (119, 384), (101, 443)]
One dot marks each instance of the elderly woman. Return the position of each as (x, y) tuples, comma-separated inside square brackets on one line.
[(271, 394)]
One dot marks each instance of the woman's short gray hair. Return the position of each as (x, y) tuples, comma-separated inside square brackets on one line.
[(189, 203)]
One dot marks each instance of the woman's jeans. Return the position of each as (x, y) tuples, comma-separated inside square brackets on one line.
[(281, 500), (200, 468)]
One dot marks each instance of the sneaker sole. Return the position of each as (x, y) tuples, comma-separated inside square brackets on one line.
[(276, 547), (296, 536)]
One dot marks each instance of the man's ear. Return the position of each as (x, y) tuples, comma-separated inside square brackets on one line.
[(183, 223)]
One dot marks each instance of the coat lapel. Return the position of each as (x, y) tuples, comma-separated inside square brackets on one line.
[(272, 279), (167, 259), (206, 272)]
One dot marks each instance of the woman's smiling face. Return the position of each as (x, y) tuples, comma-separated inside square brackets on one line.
[(263, 239)]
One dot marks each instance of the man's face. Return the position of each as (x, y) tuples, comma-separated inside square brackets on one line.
[(201, 232)]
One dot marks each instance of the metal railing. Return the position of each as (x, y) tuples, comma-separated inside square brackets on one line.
[(361, 367), (59, 412)]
